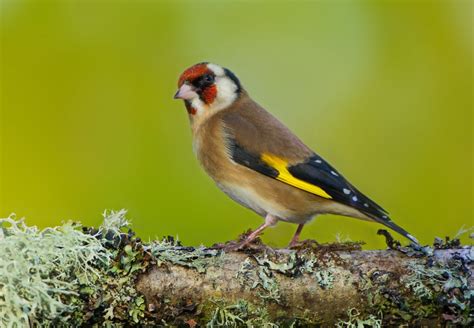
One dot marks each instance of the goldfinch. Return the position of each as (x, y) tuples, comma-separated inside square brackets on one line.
[(258, 162)]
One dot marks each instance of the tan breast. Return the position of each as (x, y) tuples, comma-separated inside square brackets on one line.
[(209, 146), (247, 187)]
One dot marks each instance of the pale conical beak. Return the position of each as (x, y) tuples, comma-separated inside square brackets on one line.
[(186, 92)]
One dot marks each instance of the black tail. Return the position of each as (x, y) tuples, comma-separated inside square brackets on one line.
[(392, 225)]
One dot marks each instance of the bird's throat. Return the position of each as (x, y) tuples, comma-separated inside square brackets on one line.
[(191, 110)]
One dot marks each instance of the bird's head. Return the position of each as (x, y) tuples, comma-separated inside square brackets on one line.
[(207, 87)]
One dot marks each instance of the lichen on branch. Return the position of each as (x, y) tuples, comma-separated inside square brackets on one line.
[(76, 276)]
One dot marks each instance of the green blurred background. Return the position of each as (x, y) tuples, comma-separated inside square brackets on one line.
[(382, 90)]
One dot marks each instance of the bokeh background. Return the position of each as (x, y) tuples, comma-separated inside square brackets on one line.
[(382, 90)]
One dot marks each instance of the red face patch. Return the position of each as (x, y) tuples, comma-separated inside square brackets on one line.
[(193, 73), (209, 94)]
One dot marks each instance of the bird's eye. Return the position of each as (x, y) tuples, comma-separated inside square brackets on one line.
[(204, 81), (208, 78)]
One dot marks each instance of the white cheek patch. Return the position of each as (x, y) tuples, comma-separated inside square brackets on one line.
[(226, 93), (198, 105)]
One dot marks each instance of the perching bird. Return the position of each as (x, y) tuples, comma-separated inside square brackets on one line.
[(259, 162)]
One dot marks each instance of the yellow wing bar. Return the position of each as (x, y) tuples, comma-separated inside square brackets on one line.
[(284, 175)]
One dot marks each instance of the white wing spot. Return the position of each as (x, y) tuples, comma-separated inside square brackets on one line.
[(355, 199), (412, 238), (366, 205), (334, 173), (318, 161), (346, 191), (384, 217)]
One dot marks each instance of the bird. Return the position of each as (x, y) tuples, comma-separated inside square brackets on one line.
[(259, 163)]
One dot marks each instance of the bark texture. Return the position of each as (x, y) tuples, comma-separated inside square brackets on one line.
[(74, 276), (314, 286)]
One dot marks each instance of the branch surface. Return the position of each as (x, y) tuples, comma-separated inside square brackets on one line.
[(76, 276), (312, 286)]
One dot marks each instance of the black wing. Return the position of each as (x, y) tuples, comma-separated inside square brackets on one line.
[(319, 172)]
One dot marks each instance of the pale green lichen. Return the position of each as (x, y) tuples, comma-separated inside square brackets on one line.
[(356, 321), (240, 314), (114, 221), (261, 272), (246, 273), (269, 284), (433, 286), (430, 282), (295, 264), (68, 275), (437, 277), (325, 278), (419, 275), (288, 266), (39, 269), (119, 297), (255, 275), (170, 251)]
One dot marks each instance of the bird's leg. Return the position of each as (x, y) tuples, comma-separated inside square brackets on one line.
[(296, 236), (270, 220)]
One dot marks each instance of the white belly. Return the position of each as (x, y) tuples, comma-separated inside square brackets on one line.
[(251, 199), (244, 196)]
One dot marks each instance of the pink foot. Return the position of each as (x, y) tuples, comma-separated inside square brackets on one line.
[(270, 220), (296, 237)]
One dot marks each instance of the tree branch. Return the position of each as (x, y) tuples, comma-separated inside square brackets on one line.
[(75, 276), (313, 286)]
